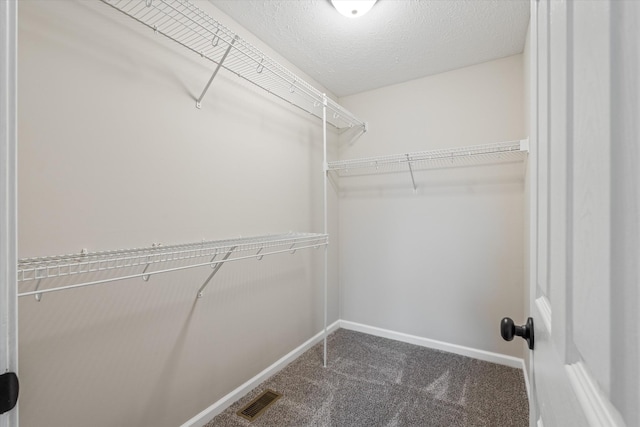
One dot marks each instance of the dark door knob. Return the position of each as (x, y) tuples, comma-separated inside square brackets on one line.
[(9, 387), (508, 330)]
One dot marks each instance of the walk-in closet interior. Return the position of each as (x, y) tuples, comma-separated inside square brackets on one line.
[(195, 211)]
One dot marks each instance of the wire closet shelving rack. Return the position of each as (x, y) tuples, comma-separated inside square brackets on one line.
[(88, 266), (191, 27), (499, 152), (460, 156), (194, 29)]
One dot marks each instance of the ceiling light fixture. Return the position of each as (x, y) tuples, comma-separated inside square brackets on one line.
[(353, 8)]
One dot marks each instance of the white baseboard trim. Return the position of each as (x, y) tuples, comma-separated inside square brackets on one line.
[(487, 356), (206, 415)]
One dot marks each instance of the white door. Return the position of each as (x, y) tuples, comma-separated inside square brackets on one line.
[(584, 204), (8, 209)]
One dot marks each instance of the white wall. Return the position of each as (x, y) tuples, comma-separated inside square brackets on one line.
[(445, 263), (113, 154)]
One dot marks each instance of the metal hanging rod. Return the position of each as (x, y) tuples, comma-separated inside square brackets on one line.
[(453, 157), (189, 255), (187, 25)]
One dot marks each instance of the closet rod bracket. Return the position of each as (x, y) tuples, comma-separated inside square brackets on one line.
[(213, 76), (215, 270), (413, 180)]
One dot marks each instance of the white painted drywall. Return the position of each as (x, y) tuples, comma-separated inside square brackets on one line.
[(113, 154), (445, 263)]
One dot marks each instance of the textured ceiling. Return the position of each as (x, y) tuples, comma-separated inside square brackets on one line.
[(398, 40)]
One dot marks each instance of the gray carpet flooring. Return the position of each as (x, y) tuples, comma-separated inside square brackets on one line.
[(373, 381)]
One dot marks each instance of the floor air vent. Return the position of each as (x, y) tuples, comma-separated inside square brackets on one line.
[(257, 406)]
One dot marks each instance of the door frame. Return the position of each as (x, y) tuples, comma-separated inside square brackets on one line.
[(532, 189), (8, 196)]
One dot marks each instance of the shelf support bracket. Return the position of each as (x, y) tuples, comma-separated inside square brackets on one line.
[(146, 277), (411, 171), (215, 270), (213, 76), (38, 296), (361, 131)]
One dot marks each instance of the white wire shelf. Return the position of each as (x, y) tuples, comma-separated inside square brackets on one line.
[(501, 152), (156, 259), (184, 23)]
